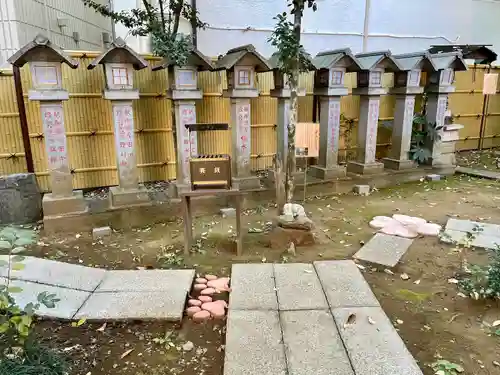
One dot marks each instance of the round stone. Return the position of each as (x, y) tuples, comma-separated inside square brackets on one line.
[(211, 277), (194, 302), (200, 280), (205, 299), (208, 291), (201, 316), (192, 310), (198, 287)]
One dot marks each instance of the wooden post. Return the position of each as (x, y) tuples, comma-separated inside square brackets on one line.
[(23, 119)]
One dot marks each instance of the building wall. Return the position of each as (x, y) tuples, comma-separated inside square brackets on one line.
[(22, 20)]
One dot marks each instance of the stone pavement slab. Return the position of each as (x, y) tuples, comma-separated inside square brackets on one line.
[(164, 305), (252, 287), (254, 344), (374, 349), (480, 240), (313, 344), (344, 285), (45, 271), (298, 287), (478, 173), (70, 300), (384, 249), (146, 281), (487, 229)]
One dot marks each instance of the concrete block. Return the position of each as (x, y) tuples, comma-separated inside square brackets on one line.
[(399, 165), (54, 273), (344, 285), (298, 287), (253, 287), (128, 197), (327, 173), (373, 344), (228, 212), (313, 344), (20, 199), (364, 169), (433, 177), (254, 344), (101, 232), (384, 249), (70, 300), (361, 189), (147, 281), (479, 173), (246, 183), (164, 305), (56, 206), (467, 226), (480, 240)]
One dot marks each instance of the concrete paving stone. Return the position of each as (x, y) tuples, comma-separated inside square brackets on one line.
[(373, 344), (384, 249), (480, 240), (478, 173), (70, 300), (487, 229), (146, 281), (254, 344), (45, 271), (461, 225), (298, 287), (134, 306), (313, 344), (344, 285), (253, 287)]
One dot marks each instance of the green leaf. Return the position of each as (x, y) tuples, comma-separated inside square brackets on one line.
[(8, 234), (18, 250), (24, 241), (79, 323), (18, 267), (5, 245), (15, 289), (497, 332)]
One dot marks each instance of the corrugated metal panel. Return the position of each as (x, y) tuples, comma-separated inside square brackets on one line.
[(9, 39)]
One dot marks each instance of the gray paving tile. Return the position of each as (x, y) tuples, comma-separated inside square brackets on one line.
[(146, 281), (487, 229), (50, 272), (70, 300), (134, 306), (313, 344), (374, 349), (478, 173), (344, 285), (252, 287), (460, 225), (254, 344), (298, 287), (480, 240), (384, 249)]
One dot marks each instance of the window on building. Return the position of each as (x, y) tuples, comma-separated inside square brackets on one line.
[(375, 78), (46, 75), (244, 77), (337, 78), (120, 76)]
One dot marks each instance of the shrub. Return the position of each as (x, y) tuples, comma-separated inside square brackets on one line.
[(483, 282)]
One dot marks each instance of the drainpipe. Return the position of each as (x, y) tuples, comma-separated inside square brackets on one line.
[(194, 29), (366, 26)]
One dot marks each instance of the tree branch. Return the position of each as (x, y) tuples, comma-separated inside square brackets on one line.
[(162, 14)]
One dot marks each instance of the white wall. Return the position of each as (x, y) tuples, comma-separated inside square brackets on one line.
[(399, 25), (9, 42)]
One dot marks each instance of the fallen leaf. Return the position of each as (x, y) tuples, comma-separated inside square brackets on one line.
[(126, 353), (453, 281), (361, 267), (496, 363), (399, 321), (308, 271), (388, 271), (102, 328), (404, 276), (370, 320), (496, 323), (350, 320), (417, 282), (78, 235)]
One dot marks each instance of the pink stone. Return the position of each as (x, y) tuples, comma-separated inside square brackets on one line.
[(222, 303), (210, 277), (200, 280), (397, 229), (205, 299), (192, 310), (216, 309), (198, 287), (378, 222), (408, 220), (220, 285), (201, 316), (208, 292), (194, 302), (429, 229)]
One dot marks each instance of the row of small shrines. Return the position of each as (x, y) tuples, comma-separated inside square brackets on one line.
[(241, 64)]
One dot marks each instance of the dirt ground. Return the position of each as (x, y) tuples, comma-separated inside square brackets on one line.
[(436, 322), (485, 159)]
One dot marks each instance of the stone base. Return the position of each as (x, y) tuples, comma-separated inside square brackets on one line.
[(175, 189), (119, 197), (327, 173), (246, 183), (56, 206), (364, 169), (399, 165)]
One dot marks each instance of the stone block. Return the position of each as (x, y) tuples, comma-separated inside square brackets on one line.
[(313, 344), (147, 281), (373, 344), (135, 306), (128, 197), (399, 165), (480, 240), (280, 238), (361, 189), (57, 205), (433, 177), (300, 222), (364, 169), (70, 300), (479, 173), (246, 183), (344, 285), (327, 173), (298, 287), (54, 273), (101, 232), (20, 199), (384, 249), (254, 344), (447, 147), (228, 212), (444, 159), (252, 287)]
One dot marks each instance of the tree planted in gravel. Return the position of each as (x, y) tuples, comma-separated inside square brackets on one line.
[(291, 59)]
